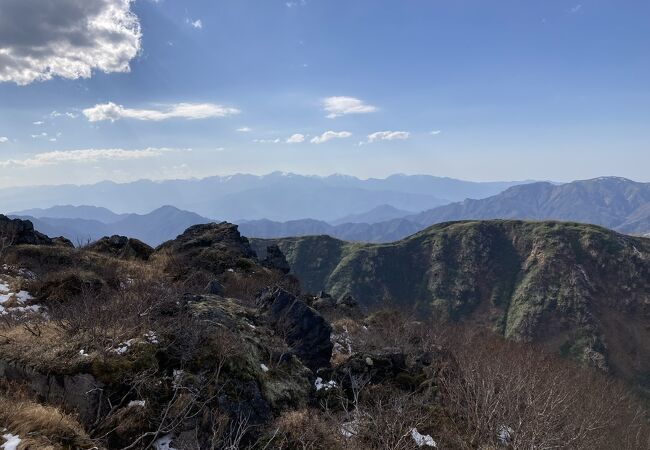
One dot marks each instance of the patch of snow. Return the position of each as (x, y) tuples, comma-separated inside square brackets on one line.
[(151, 337), (82, 352), (422, 440), (177, 378), (124, 347), (4, 287), (139, 403), (164, 443), (504, 435), (231, 270), (350, 429), (318, 384), (11, 441), (264, 368)]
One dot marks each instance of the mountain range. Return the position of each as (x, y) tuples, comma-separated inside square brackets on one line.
[(617, 203), (154, 228), (612, 202), (276, 196)]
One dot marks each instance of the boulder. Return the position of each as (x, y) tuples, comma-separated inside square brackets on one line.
[(213, 247), (304, 330), (17, 231), (122, 247), (214, 287)]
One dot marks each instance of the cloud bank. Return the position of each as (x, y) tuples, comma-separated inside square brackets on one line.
[(83, 156), (111, 111), (66, 38)]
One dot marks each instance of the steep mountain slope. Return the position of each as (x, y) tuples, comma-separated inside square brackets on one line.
[(276, 196), (611, 202), (579, 289)]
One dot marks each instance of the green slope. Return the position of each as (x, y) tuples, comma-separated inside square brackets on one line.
[(581, 289)]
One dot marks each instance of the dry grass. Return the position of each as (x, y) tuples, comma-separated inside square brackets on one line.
[(39, 427), (45, 347)]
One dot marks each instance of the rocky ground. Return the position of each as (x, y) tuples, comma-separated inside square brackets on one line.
[(201, 344)]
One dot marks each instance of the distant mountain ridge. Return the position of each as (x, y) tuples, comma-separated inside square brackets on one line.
[(613, 202), (277, 196), (154, 228), (377, 232)]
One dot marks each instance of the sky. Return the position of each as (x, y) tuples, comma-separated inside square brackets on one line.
[(474, 89)]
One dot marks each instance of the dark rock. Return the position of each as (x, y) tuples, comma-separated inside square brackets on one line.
[(213, 247), (214, 287), (80, 393), (304, 330), (275, 259), (122, 247), (347, 301), (371, 367), (62, 242), (246, 401), (17, 231)]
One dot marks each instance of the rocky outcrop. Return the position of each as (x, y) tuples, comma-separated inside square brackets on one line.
[(213, 247), (78, 393), (17, 232), (303, 328), (122, 247)]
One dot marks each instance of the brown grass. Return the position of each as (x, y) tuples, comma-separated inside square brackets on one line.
[(39, 427)]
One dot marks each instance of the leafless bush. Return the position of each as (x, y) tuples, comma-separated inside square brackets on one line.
[(521, 397), (7, 238), (106, 316)]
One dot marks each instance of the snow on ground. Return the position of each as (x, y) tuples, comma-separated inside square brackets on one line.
[(264, 367), (422, 440), (504, 435), (164, 443), (15, 301), (318, 384), (350, 429), (11, 442), (139, 403)]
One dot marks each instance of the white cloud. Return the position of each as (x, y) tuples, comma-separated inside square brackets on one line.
[(83, 156), (575, 9), (435, 132), (3, 139), (39, 136), (295, 3), (195, 23), (66, 38), (296, 138), (39, 122), (340, 106), (329, 135), (267, 141), (388, 136), (69, 115), (244, 129), (111, 111)]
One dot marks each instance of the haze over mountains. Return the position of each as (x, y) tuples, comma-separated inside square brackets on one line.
[(276, 196), (616, 203)]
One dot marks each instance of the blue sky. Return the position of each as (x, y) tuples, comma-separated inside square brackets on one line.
[(479, 90)]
